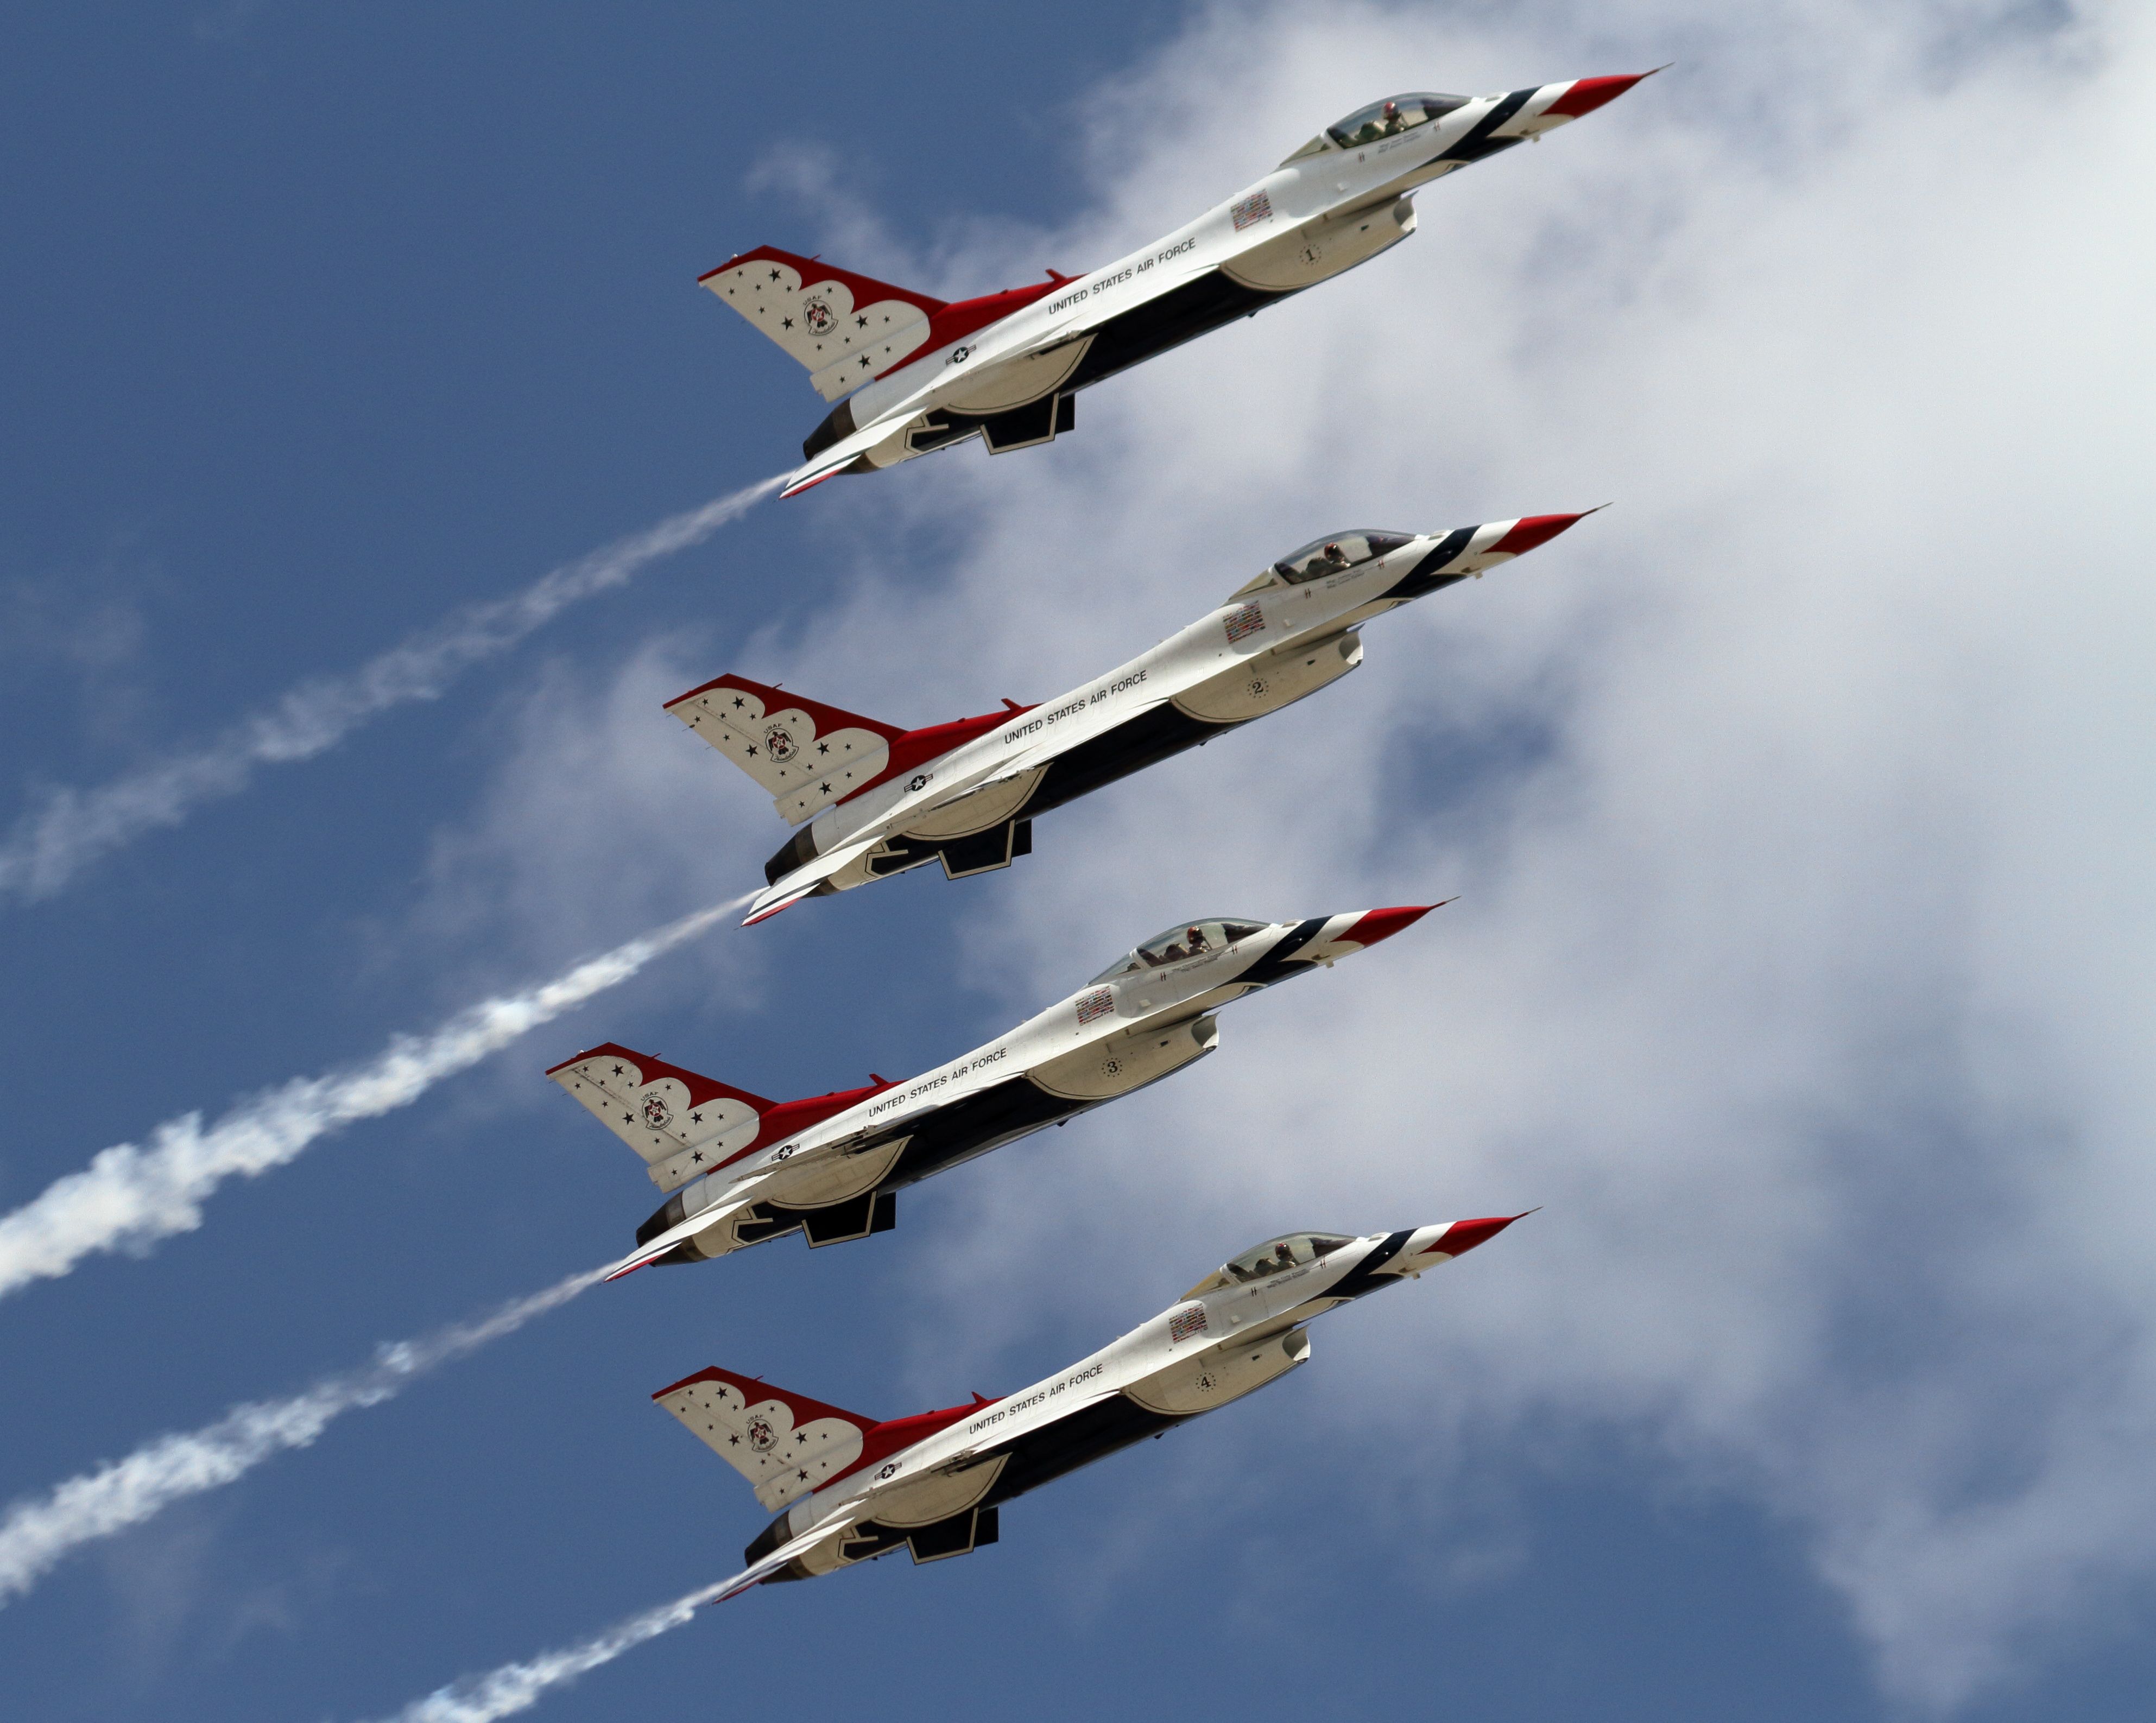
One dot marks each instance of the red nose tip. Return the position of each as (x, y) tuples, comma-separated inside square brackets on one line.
[(1532, 529), (1589, 93), (1382, 924), (1462, 1236)]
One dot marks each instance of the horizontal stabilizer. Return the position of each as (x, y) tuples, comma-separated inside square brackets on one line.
[(805, 755), (683, 1123), (845, 328), (785, 1444)]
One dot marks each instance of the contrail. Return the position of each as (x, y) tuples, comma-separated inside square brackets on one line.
[(129, 1195), (49, 845), (518, 1687), (37, 1534)]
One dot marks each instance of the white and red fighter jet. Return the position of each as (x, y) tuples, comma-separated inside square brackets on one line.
[(742, 1169), (876, 799), (855, 1488), (919, 374)]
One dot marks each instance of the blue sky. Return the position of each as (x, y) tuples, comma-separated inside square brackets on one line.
[(1796, 803)]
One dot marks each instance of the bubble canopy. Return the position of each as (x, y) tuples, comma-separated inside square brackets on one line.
[(1338, 550), (1275, 1256), (1180, 943), (1392, 116)]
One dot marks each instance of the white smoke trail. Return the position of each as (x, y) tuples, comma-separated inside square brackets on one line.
[(37, 1534), (518, 1687), (49, 845), (129, 1195)]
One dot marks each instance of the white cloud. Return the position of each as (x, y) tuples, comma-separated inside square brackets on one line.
[(1798, 802)]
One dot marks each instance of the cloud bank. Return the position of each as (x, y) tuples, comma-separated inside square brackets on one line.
[(131, 1196), (1798, 802), (35, 1535), (48, 846)]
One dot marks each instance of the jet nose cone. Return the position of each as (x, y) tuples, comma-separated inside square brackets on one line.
[(1375, 924), (1589, 93), (1462, 1236), (1532, 529)]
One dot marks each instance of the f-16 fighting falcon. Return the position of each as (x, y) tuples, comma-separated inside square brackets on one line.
[(919, 374), (742, 1169), (876, 799), (853, 1488)]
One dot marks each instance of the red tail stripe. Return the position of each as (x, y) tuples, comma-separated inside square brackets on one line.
[(826, 719), (866, 289), (800, 1405), (701, 1088)]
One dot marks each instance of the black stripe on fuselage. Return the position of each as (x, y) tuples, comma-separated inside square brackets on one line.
[(1363, 1277), (1478, 143), (1091, 1433), (1130, 747), (1271, 967), (1181, 314), (975, 1124), (965, 1128), (1424, 577)]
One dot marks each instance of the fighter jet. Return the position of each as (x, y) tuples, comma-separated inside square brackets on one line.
[(742, 1169), (854, 1488), (919, 374), (876, 799)]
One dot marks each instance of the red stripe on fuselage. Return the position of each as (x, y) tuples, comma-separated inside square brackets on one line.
[(880, 1444), (956, 321)]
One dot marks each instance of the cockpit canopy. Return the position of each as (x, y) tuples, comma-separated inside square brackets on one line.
[(1392, 116), (1322, 556), (1275, 1256), (1179, 944), (1381, 119), (1334, 554)]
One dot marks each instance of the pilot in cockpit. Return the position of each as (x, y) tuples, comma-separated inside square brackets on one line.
[(1195, 938)]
